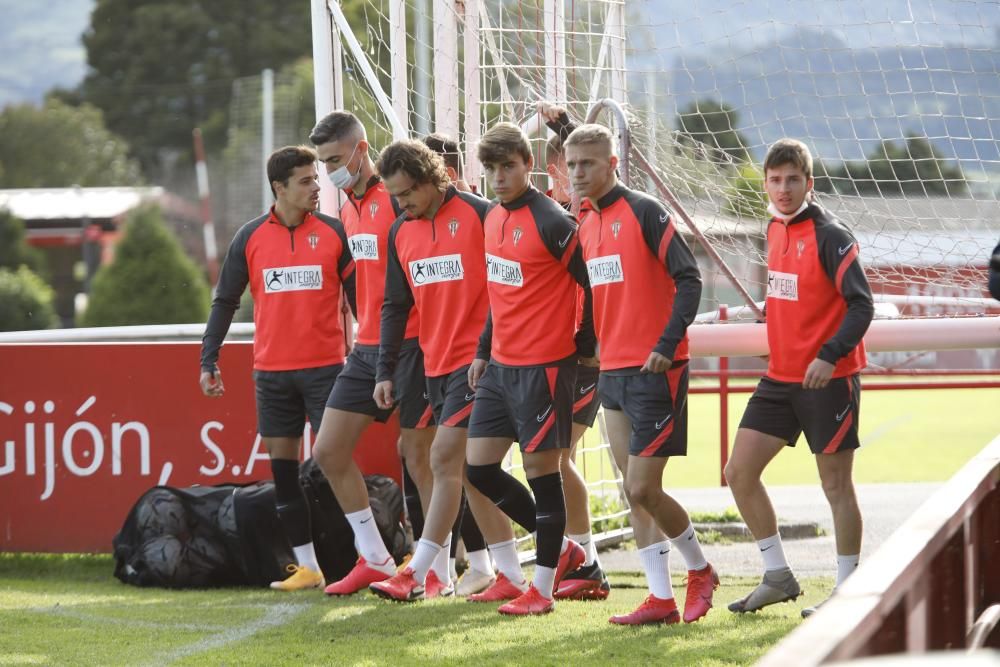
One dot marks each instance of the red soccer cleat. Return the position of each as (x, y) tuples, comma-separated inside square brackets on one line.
[(653, 610), (434, 588), (585, 583), (700, 586), (530, 603), (360, 576), (401, 587), (569, 560), (502, 590)]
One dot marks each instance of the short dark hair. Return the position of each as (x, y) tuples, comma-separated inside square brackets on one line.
[(446, 147), (554, 149), (414, 159), (282, 162), (789, 151), (501, 141), (335, 126)]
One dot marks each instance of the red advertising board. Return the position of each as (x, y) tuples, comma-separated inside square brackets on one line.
[(85, 429)]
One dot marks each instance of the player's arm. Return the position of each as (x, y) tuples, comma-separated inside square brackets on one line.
[(233, 280), (396, 305), (345, 267), (838, 251), (666, 243), (556, 119), (559, 234)]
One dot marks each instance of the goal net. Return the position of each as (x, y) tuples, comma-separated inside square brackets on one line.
[(898, 101)]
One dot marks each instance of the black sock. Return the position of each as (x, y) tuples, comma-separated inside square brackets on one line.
[(414, 510), (472, 537), (551, 520), (506, 492), (290, 501), (456, 529)]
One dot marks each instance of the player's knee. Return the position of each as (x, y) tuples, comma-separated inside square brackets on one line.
[(837, 488), (327, 456), (641, 493), (735, 478), (485, 479)]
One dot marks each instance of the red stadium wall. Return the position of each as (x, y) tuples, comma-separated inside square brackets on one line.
[(86, 428)]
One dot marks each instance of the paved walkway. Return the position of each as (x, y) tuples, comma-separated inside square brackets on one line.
[(883, 506)]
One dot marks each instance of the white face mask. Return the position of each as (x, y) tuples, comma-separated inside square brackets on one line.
[(341, 177)]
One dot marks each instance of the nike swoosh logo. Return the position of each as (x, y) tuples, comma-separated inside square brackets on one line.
[(843, 251), (469, 397), (665, 551), (664, 218), (562, 244), (588, 388), (426, 396), (541, 417), (659, 425), (841, 416), (766, 548), (366, 520)]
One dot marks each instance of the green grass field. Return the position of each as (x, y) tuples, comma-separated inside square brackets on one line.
[(906, 436), (69, 610)]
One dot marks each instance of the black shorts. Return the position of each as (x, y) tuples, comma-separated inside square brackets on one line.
[(356, 385), (451, 399), (828, 416), (533, 405), (585, 401), (286, 398), (656, 403)]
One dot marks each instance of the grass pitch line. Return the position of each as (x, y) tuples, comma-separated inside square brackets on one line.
[(274, 616), (65, 612)]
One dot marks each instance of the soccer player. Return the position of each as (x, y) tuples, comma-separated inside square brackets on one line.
[(525, 392), (435, 263), (646, 287), (296, 261), (587, 582), (818, 307), (447, 148), (342, 146)]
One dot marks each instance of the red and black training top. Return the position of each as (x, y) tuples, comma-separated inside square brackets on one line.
[(533, 264), (295, 276), (367, 220), (645, 280), (819, 303), (436, 265)]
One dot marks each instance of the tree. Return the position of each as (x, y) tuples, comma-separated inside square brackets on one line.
[(913, 168), (745, 196), (150, 280), (711, 126), (58, 145), (14, 249), (25, 301)]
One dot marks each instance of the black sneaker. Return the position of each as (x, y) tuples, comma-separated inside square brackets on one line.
[(587, 582)]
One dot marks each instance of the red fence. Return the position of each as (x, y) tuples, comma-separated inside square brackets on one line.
[(86, 428)]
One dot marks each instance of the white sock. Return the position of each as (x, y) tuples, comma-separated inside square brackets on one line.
[(845, 566), (369, 541), (656, 563), (440, 565), (480, 561), (563, 548), (505, 556), (305, 555), (423, 558), (687, 543), (586, 541), (772, 553), (545, 579), (452, 567)]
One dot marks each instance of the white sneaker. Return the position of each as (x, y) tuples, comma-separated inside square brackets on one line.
[(474, 581)]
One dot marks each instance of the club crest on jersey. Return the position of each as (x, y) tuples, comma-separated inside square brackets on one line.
[(373, 208), (616, 228), (313, 240), (801, 246), (453, 227), (517, 235)]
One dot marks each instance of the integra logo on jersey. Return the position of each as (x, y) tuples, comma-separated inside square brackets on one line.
[(504, 271), (605, 270), (364, 246), (293, 278), (782, 286), (436, 270)]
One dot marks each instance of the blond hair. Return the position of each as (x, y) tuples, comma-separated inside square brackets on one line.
[(591, 133)]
